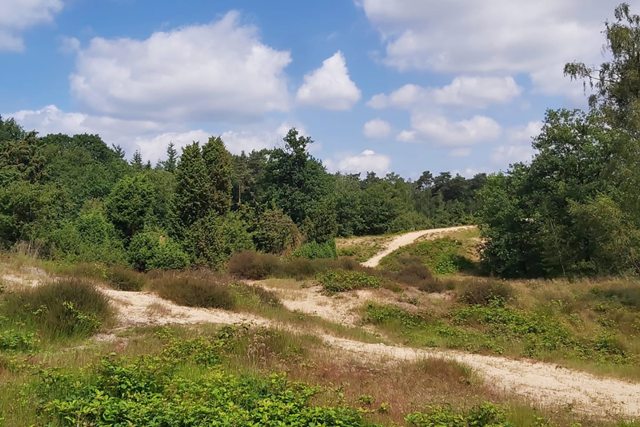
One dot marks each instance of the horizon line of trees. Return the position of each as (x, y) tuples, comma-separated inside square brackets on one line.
[(74, 198)]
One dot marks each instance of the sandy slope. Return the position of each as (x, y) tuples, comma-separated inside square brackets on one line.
[(407, 239)]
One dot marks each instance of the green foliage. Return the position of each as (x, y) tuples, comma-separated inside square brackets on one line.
[(184, 385), (215, 238), (442, 256), (486, 415), (345, 280), (64, 308), (191, 202), (314, 250), (90, 238), (220, 170), (276, 233), (129, 204), (30, 211), (150, 251), (84, 165), (12, 340), (296, 181), (21, 160)]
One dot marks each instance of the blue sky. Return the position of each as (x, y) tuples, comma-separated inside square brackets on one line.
[(382, 85)]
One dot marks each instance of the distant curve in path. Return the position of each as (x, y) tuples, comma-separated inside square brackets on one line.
[(407, 239)]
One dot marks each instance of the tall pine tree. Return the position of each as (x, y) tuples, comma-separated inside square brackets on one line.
[(220, 168), (192, 199)]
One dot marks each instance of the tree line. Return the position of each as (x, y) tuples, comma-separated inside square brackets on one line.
[(575, 209), (76, 199)]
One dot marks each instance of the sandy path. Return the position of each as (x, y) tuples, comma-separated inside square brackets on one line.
[(407, 239), (542, 383), (538, 382)]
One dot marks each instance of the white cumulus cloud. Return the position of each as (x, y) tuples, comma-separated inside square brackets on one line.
[(464, 91), (367, 161), (215, 72), (500, 36), (376, 128), (330, 86), (478, 92), (439, 130), (17, 16)]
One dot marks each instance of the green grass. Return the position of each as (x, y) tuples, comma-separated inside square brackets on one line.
[(445, 256), (65, 309), (591, 334)]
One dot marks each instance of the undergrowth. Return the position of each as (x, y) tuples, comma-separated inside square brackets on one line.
[(344, 280), (443, 256), (62, 309), (227, 379)]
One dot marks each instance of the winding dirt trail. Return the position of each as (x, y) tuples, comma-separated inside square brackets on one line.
[(541, 383), (409, 238)]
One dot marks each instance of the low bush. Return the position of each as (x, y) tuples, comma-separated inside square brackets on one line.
[(253, 266), (179, 388), (69, 307), (477, 292), (344, 280), (314, 250), (414, 275), (124, 279), (12, 340), (486, 415), (206, 291), (435, 286)]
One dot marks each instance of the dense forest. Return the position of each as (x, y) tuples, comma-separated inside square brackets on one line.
[(75, 199), (575, 209)]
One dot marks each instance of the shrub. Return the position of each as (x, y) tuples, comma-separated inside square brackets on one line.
[(216, 238), (252, 265), (314, 250), (178, 388), (344, 280), (12, 340), (413, 275), (124, 279), (149, 251), (68, 307), (210, 291), (434, 286), (276, 233), (476, 292), (486, 415)]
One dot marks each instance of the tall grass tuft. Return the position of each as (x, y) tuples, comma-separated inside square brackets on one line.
[(66, 308), (206, 290)]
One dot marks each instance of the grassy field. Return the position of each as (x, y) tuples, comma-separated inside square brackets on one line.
[(455, 253)]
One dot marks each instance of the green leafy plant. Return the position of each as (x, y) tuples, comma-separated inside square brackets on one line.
[(344, 280)]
